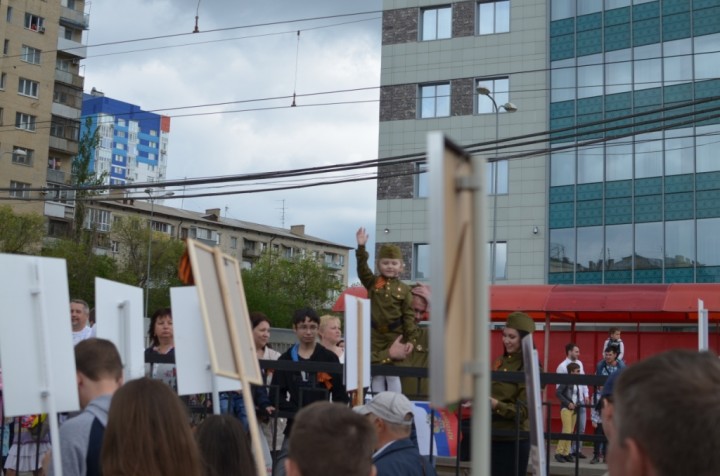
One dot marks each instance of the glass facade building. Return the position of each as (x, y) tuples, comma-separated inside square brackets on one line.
[(634, 193)]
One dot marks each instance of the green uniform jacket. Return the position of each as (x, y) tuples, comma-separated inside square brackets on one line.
[(507, 394), (390, 309), (420, 357)]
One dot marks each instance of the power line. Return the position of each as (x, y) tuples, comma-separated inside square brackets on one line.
[(384, 162)]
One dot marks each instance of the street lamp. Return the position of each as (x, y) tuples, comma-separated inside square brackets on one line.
[(509, 107), (152, 199)]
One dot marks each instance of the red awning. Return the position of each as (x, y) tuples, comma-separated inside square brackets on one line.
[(357, 291), (671, 303), (607, 303)]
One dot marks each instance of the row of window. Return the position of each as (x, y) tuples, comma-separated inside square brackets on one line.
[(492, 17), (435, 98), (421, 261), (672, 152), (496, 177), (640, 246)]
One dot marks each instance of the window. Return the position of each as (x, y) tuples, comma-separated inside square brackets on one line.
[(497, 177), (499, 252), (24, 121), (6, 47), (60, 194), (121, 133), (233, 242), (121, 122), (98, 219), (421, 180), (115, 246), (153, 133), (162, 227), (58, 228), (8, 15), (19, 189), (27, 87), (62, 64), (22, 156), (435, 100), (493, 17), (30, 54), (421, 261), (34, 23), (436, 23), (1, 116), (499, 90)]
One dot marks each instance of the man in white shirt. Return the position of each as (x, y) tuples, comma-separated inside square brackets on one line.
[(79, 314), (572, 354)]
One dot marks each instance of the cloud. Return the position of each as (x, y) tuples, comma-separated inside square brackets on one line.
[(241, 65)]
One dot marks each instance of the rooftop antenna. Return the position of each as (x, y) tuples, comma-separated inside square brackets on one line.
[(197, 14), (282, 213), (226, 210)]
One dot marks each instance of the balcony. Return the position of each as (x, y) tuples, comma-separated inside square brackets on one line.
[(73, 48), (66, 111), (333, 265), (65, 145), (251, 252), (55, 176), (74, 18), (69, 78), (59, 210)]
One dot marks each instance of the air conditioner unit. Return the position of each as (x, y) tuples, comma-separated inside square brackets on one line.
[(41, 29), (76, 61)]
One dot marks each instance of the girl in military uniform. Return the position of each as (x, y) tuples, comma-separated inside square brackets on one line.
[(391, 311)]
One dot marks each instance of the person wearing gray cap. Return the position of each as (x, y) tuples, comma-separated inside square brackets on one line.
[(395, 454)]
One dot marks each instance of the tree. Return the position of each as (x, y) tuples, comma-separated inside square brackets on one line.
[(83, 266), (20, 232), (278, 286), (132, 234), (83, 174)]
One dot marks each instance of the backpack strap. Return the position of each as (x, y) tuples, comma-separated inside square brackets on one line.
[(92, 458)]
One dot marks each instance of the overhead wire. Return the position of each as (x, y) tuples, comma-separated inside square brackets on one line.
[(674, 122)]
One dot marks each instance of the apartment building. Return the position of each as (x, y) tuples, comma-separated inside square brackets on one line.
[(243, 240), (626, 189), (40, 103), (132, 143)]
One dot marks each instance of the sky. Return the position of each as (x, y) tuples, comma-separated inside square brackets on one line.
[(251, 63)]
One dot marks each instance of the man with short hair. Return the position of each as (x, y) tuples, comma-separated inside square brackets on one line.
[(328, 438), (79, 314), (99, 375), (664, 419), (572, 355), (305, 387), (395, 454)]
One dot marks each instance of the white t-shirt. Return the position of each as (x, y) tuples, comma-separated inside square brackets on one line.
[(85, 333)]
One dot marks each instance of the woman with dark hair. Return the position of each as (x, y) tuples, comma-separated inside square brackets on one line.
[(161, 336), (148, 433), (509, 457), (224, 447), (232, 402)]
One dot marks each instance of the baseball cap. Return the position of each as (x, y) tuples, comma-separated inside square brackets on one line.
[(389, 406)]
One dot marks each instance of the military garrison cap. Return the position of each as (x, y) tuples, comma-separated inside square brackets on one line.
[(390, 252), (521, 322)]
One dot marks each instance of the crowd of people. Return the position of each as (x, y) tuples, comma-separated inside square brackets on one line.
[(142, 427)]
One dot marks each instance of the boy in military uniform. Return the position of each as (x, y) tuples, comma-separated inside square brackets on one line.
[(391, 309)]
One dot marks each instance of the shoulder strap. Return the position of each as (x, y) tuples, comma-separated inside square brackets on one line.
[(294, 353), (92, 458)]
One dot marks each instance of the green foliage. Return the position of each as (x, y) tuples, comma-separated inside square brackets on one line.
[(132, 234), (278, 286), (83, 174), (83, 266), (20, 232)]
